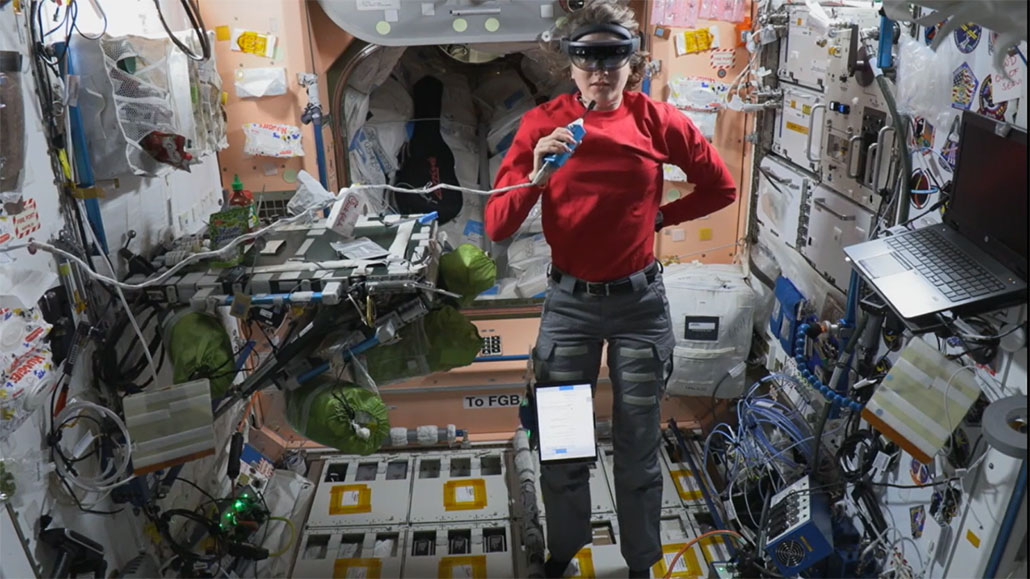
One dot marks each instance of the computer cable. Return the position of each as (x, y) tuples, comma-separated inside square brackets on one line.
[(857, 454)]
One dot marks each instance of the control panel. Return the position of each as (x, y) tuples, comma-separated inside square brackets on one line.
[(804, 40), (857, 127), (800, 530)]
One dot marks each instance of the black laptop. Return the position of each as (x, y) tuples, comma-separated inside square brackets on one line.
[(977, 258)]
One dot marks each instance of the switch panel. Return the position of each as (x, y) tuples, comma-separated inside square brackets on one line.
[(491, 346)]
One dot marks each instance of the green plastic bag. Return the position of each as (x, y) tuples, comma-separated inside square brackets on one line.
[(327, 412), (468, 271), (443, 340), (454, 341), (199, 347)]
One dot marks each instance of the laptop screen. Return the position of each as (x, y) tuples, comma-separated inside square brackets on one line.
[(989, 195)]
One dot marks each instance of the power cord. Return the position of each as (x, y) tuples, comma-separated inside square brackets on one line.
[(193, 14)]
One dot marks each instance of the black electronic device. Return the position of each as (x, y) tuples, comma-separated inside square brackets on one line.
[(76, 553)]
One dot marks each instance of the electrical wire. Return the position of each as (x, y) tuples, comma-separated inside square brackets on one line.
[(100, 12), (293, 536), (193, 15), (125, 304), (695, 540), (112, 477), (947, 396)]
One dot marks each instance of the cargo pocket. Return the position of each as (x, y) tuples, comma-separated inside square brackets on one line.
[(557, 362), (642, 371)]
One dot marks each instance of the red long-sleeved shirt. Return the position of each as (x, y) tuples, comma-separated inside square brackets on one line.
[(599, 209)]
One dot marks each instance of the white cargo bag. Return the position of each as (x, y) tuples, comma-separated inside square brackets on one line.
[(711, 311)]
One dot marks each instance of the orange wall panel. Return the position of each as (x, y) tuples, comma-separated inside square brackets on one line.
[(288, 20), (728, 225)]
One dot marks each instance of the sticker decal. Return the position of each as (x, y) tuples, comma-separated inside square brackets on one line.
[(924, 132), (920, 472), (987, 105), (930, 32), (963, 87), (917, 518), (967, 37)]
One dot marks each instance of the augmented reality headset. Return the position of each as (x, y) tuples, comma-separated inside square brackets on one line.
[(600, 54)]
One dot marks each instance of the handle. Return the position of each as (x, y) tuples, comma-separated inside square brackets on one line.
[(872, 165), (811, 129), (821, 204), (880, 144), (851, 155)]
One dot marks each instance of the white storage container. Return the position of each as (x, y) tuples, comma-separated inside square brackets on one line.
[(711, 308)]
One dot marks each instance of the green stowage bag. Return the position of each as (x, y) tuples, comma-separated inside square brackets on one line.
[(468, 271), (443, 340), (326, 412), (454, 341), (199, 347)]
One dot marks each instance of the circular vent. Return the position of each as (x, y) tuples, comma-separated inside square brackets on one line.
[(790, 553)]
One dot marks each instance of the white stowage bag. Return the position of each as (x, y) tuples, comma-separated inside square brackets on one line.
[(711, 311)]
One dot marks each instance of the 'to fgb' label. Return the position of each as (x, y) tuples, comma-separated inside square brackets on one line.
[(492, 401)]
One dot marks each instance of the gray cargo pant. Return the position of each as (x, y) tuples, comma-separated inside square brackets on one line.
[(573, 328)]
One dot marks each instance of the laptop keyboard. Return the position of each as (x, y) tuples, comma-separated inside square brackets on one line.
[(954, 273)]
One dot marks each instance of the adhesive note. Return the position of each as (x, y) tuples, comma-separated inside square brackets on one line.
[(465, 494), (681, 564), (1010, 87), (351, 498), (705, 234), (972, 538), (222, 33), (253, 42)]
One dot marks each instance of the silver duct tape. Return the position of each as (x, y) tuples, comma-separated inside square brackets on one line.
[(1005, 426)]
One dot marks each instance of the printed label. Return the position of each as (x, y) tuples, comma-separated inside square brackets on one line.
[(492, 401), (797, 128), (379, 4)]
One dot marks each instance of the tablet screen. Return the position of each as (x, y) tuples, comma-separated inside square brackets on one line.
[(565, 416)]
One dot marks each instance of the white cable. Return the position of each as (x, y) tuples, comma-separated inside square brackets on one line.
[(425, 190), (224, 251), (101, 482), (125, 304), (174, 269), (947, 396)]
